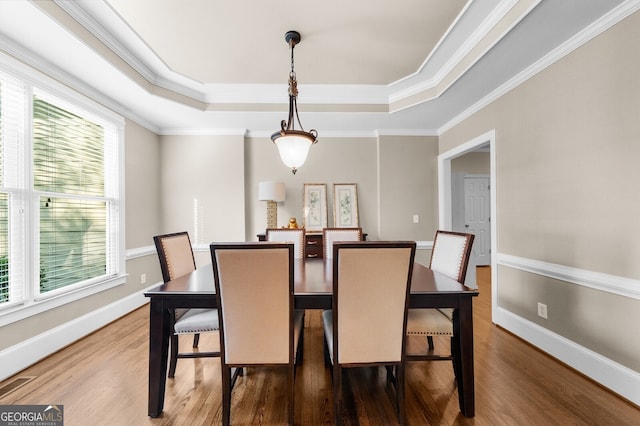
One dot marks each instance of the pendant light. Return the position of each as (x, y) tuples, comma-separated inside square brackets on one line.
[(293, 145)]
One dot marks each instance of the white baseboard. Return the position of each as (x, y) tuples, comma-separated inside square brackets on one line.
[(24, 354), (616, 377)]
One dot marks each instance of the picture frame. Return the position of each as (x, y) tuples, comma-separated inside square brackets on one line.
[(315, 207), (345, 205)]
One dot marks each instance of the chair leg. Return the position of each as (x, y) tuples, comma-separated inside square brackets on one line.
[(300, 349), (430, 342), (400, 392), (291, 389), (235, 372), (391, 374), (337, 394), (196, 340), (174, 355), (327, 356), (457, 365), (226, 395)]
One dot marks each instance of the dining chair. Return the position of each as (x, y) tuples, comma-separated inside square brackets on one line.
[(367, 325), (296, 236), (450, 256), (258, 323), (176, 259), (331, 235)]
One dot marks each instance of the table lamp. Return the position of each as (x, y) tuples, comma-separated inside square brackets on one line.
[(272, 193)]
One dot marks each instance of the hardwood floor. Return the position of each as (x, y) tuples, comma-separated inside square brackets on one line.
[(102, 380)]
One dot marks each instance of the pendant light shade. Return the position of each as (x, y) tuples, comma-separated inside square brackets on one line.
[(293, 148), (293, 145)]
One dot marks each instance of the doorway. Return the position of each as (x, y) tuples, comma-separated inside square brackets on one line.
[(445, 197)]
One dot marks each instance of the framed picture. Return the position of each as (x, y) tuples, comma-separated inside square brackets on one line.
[(315, 207), (345, 205)]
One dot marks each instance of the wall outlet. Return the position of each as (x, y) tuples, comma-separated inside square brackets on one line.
[(143, 278), (416, 218), (542, 310)]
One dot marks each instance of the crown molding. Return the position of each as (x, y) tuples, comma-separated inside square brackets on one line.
[(407, 132), (203, 132), (604, 23), (323, 135), (137, 55), (463, 50), (99, 19), (448, 75)]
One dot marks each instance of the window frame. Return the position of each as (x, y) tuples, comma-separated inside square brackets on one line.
[(27, 198)]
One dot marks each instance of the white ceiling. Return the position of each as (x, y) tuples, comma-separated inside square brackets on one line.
[(363, 66)]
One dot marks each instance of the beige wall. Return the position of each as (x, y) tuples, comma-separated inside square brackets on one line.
[(331, 160), (396, 177), (567, 150), (142, 185), (202, 181), (472, 163), (408, 186)]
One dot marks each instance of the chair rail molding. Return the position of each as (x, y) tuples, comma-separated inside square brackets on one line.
[(621, 286), (134, 253)]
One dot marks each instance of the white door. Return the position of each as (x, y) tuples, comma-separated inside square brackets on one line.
[(476, 215)]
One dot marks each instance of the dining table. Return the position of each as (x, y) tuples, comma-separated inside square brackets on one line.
[(312, 290)]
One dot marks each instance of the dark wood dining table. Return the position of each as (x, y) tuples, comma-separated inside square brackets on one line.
[(313, 290)]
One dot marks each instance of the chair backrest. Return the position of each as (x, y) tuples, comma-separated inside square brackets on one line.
[(296, 236), (371, 285), (254, 292), (450, 254), (331, 235), (175, 254)]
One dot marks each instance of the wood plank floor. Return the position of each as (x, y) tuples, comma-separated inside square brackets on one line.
[(102, 380)]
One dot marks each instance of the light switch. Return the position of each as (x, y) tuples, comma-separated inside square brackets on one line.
[(416, 218)]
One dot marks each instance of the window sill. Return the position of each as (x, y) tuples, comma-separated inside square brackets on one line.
[(19, 312)]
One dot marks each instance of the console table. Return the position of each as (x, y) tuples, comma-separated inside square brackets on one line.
[(313, 244)]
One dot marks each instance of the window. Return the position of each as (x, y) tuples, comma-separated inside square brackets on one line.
[(60, 185)]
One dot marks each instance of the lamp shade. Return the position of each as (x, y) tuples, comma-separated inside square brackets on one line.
[(271, 191), (293, 149)]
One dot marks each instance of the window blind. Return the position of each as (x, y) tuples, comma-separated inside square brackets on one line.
[(12, 183), (69, 175)]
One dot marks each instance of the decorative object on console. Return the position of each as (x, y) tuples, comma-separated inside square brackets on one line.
[(293, 144), (345, 205), (292, 223), (272, 193), (315, 207)]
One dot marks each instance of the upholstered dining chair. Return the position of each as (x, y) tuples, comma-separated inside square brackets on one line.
[(296, 236), (331, 235), (258, 324), (176, 259), (367, 325), (450, 256)]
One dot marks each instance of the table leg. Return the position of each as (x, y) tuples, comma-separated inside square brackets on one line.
[(158, 354), (463, 356)]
